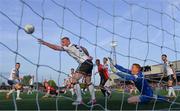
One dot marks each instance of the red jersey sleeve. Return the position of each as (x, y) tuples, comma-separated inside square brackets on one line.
[(100, 68), (105, 72)]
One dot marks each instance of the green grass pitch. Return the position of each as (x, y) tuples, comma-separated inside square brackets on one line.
[(114, 103)]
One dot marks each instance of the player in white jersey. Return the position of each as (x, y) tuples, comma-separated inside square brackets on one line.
[(168, 69), (108, 82), (105, 63), (81, 55), (31, 85), (14, 81)]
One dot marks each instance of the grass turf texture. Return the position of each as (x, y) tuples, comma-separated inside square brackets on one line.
[(28, 103)]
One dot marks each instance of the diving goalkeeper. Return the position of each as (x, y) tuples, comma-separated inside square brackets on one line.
[(136, 75)]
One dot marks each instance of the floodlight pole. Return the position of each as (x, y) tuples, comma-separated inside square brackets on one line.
[(113, 46)]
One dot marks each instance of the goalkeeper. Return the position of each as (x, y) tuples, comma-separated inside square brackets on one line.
[(135, 74)]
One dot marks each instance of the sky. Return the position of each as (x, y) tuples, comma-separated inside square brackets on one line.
[(70, 20)]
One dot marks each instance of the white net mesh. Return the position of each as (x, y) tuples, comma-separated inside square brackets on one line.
[(144, 31)]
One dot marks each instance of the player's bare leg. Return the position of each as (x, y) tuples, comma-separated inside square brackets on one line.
[(18, 88), (9, 93)]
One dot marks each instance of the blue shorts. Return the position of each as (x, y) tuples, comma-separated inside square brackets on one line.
[(145, 99)]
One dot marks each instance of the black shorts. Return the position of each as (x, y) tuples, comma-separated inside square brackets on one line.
[(53, 93), (31, 86), (10, 82), (85, 68), (170, 77), (103, 82)]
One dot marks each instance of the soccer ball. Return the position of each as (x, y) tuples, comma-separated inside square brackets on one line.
[(29, 29)]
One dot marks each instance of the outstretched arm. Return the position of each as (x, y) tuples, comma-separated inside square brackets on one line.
[(125, 76), (122, 69), (52, 46)]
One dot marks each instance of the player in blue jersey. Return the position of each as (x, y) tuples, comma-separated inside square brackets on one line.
[(135, 75)]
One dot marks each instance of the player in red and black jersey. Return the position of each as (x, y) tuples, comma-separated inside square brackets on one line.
[(103, 73), (50, 91)]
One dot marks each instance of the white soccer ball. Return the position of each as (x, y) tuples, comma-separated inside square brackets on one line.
[(29, 29)]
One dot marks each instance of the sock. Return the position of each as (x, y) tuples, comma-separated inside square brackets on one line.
[(72, 91), (47, 95), (91, 90), (174, 94), (11, 91), (108, 89), (78, 92), (18, 93), (103, 91), (169, 91)]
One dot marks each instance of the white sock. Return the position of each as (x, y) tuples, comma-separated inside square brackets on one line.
[(91, 90), (11, 91), (169, 91), (18, 93), (174, 94), (78, 92), (108, 89), (72, 91)]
